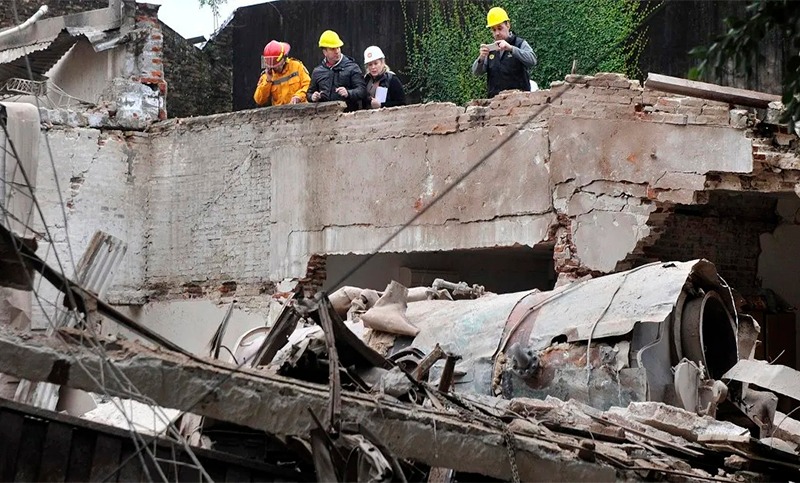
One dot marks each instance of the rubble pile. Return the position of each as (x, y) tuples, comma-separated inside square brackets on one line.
[(644, 374), (629, 405)]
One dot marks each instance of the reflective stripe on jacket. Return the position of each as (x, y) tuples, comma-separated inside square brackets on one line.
[(282, 86)]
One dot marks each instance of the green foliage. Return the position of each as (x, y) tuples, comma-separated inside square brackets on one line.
[(737, 49), (441, 44), (601, 35)]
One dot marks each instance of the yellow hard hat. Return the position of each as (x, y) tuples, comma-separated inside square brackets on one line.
[(330, 39), (496, 16)]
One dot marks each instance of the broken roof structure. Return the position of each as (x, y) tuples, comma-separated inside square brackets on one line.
[(580, 351)]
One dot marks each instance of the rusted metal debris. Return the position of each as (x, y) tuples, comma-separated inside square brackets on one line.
[(642, 359)]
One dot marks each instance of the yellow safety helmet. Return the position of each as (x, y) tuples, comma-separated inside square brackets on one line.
[(330, 39), (496, 16)]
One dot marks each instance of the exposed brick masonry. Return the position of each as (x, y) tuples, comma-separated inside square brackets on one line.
[(198, 83), (726, 231)]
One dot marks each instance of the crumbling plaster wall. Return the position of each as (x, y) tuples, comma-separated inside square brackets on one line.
[(99, 177), (230, 205), (250, 196)]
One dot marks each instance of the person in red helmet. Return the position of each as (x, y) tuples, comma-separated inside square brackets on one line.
[(284, 80)]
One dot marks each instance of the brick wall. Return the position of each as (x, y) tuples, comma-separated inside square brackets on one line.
[(725, 231), (198, 83), (26, 8)]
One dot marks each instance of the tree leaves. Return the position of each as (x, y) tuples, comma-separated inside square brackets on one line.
[(442, 41), (738, 49)]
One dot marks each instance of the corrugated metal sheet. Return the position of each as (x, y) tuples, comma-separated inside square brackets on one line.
[(469, 328), (41, 61), (611, 305)]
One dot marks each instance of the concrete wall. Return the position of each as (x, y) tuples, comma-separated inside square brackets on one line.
[(86, 74), (100, 180), (778, 264), (230, 205), (251, 196)]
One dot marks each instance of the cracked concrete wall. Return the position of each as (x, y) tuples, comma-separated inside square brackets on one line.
[(99, 175), (245, 199), (232, 204), (251, 196), (261, 191)]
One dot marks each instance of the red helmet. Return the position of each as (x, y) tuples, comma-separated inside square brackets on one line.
[(274, 53)]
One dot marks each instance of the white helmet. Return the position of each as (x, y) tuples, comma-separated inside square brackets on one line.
[(373, 53)]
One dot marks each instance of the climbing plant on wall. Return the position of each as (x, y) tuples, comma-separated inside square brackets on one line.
[(443, 39)]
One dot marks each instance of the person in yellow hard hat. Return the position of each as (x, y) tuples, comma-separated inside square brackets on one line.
[(284, 80), (338, 77), (507, 60)]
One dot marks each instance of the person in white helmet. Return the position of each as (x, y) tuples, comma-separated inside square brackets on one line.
[(384, 89)]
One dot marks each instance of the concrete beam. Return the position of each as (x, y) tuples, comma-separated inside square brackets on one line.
[(280, 406)]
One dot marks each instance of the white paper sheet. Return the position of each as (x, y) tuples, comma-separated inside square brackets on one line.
[(380, 94)]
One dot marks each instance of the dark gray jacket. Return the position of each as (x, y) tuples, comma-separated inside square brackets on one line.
[(347, 74)]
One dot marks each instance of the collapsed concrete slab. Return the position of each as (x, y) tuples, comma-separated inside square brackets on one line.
[(281, 406)]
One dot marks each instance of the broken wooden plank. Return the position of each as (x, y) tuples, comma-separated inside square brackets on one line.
[(281, 406), (713, 92)]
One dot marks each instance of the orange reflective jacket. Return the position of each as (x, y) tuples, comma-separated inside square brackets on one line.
[(280, 87)]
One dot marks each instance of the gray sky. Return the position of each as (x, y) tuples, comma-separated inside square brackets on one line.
[(188, 19)]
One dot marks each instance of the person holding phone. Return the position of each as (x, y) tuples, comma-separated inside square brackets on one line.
[(507, 61), (338, 77), (384, 89)]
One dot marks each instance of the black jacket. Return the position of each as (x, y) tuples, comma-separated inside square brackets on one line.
[(505, 72), (396, 96), (345, 74)]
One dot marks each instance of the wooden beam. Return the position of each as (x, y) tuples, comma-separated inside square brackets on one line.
[(713, 92), (280, 405)]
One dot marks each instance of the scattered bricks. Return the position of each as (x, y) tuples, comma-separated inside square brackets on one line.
[(675, 119), (667, 104), (534, 99), (689, 110), (711, 110), (774, 111), (192, 290), (598, 83), (693, 102), (622, 84), (782, 139), (227, 287), (651, 96), (578, 79), (701, 119), (611, 76)]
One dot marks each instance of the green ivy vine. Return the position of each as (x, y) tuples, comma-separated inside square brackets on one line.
[(442, 40)]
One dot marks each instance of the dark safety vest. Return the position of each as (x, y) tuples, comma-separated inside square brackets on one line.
[(504, 72)]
